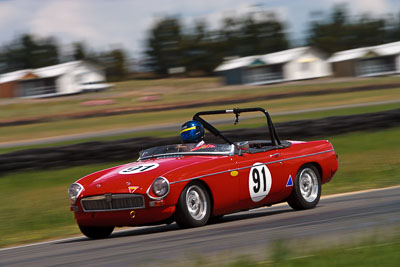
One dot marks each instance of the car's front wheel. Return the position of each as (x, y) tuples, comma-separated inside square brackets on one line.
[(96, 232), (307, 189), (194, 206)]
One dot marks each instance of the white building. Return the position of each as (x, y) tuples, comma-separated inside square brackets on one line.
[(9, 83), (288, 65), (62, 79), (367, 61)]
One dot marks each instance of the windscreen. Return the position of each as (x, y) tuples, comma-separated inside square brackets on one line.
[(187, 149)]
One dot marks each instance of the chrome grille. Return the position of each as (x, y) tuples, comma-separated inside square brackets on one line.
[(110, 202)]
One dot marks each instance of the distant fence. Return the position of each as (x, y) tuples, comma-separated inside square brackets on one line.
[(128, 149)]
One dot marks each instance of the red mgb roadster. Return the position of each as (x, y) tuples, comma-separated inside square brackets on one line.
[(175, 183)]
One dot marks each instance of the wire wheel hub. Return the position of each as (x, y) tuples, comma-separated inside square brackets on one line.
[(308, 185), (196, 202)]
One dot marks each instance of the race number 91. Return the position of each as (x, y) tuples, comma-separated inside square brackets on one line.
[(139, 168), (259, 182)]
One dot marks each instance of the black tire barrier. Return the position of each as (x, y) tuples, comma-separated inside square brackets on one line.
[(128, 149)]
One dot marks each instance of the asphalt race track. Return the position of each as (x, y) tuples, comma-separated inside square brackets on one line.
[(335, 218)]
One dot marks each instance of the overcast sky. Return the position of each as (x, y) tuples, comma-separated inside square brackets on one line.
[(103, 24)]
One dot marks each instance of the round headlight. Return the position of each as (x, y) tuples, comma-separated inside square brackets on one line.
[(73, 191), (160, 187)]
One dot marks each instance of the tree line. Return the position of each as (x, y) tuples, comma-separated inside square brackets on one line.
[(198, 49), (170, 45), (30, 52), (339, 31)]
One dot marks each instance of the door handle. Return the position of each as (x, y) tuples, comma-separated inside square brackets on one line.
[(274, 155)]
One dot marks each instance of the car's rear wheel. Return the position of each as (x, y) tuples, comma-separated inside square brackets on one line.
[(96, 232), (307, 189), (193, 208)]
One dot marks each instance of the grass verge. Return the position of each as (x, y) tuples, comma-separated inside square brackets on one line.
[(370, 252), (366, 160), (35, 206), (90, 125), (244, 123), (367, 254), (169, 91)]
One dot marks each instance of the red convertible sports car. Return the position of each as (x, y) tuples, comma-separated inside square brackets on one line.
[(189, 186)]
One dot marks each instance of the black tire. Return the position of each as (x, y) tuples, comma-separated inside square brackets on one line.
[(96, 232), (307, 189), (194, 206)]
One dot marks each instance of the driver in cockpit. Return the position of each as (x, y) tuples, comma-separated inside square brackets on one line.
[(193, 132)]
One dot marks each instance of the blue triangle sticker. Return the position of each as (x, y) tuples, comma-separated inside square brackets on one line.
[(290, 181)]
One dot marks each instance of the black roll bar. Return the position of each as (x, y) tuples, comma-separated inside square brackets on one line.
[(273, 135)]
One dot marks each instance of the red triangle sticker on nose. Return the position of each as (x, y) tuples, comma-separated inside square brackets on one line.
[(132, 189)]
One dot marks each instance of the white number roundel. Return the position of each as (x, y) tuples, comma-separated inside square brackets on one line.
[(259, 182), (139, 168)]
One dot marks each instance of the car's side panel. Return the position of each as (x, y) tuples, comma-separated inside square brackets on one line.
[(262, 178), (319, 153), (225, 192), (217, 175)]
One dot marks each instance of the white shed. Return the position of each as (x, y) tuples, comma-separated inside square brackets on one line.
[(367, 61), (9, 82), (288, 65), (63, 79)]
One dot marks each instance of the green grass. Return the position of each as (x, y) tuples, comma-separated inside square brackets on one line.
[(366, 160), (370, 252), (169, 91), (158, 133), (70, 127), (244, 123), (34, 204), (173, 90), (337, 112), (124, 94)]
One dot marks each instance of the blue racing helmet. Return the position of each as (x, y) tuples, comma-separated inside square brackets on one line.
[(192, 132)]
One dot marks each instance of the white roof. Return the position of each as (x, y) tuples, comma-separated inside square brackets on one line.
[(45, 72), (236, 63), (283, 56), (272, 58), (349, 54), (13, 76), (56, 70), (388, 49), (380, 50)]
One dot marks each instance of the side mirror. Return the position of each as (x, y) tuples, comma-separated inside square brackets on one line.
[(242, 146)]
